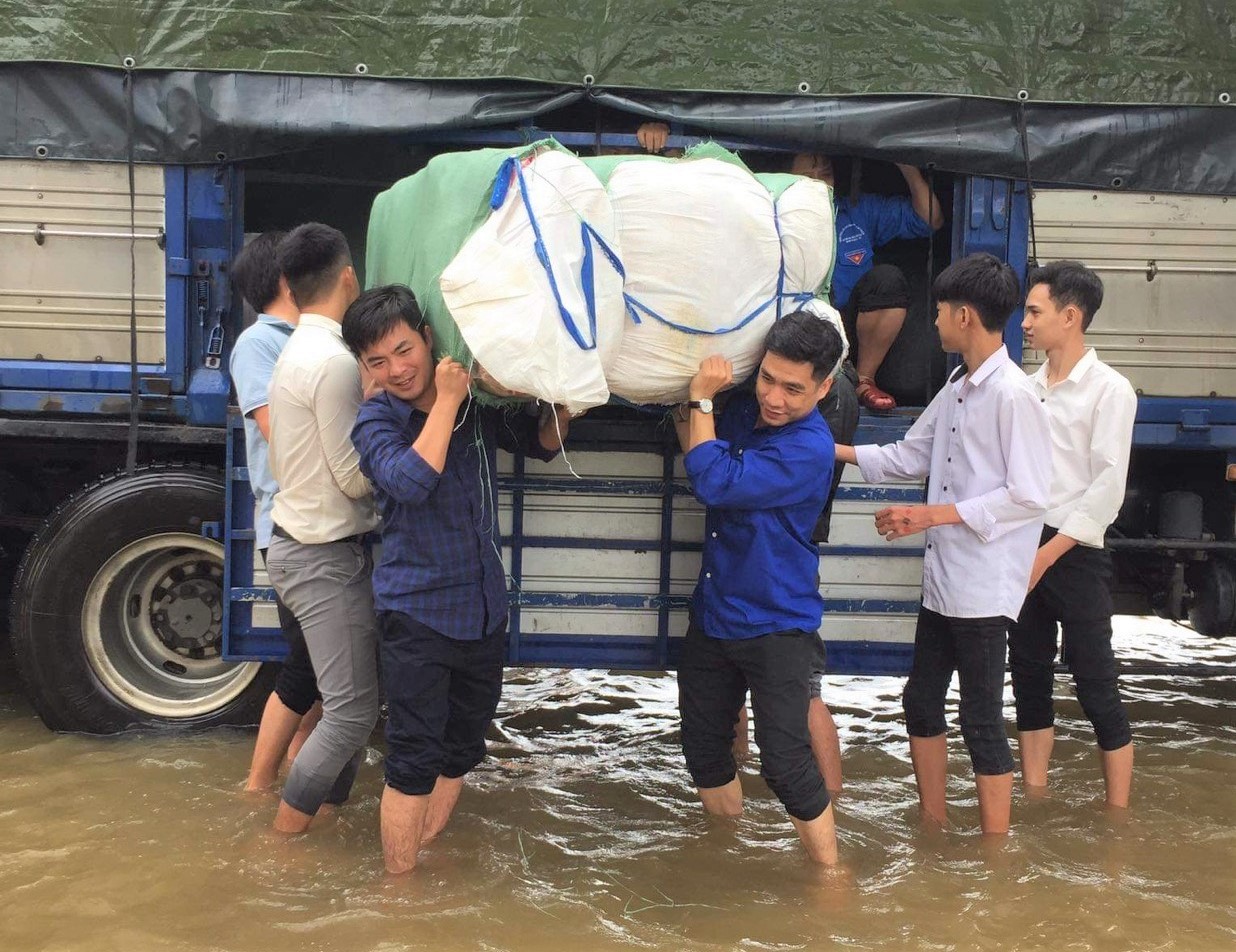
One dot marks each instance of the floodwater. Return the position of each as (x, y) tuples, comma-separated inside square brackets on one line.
[(581, 833)]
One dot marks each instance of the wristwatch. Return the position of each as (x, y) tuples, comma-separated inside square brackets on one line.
[(704, 406)]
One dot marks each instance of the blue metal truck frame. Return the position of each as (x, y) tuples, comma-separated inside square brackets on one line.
[(190, 393)]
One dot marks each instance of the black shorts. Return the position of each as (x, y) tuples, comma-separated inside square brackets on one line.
[(882, 287), (441, 695), (713, 677)]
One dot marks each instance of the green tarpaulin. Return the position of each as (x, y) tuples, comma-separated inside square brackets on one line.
[(1133, 94), (1080, 51)]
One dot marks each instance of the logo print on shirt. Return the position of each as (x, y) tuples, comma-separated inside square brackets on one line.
[(856, 256)]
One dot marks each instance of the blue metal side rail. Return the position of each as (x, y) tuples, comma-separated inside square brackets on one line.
[(243, 640)]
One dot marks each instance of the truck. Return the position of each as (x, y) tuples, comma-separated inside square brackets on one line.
[(142, 151)]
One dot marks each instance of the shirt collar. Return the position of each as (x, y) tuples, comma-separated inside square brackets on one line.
[(1080, 369), (985, 369), (317, 320), (273, 321)]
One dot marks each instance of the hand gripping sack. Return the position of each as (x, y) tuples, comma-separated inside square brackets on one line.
[(536, 290)]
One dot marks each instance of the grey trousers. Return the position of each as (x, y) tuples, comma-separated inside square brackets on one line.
[(328, 588)]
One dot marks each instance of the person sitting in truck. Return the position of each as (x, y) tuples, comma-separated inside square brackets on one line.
[(294, 705), (1092, 409), (319, 559), (756, 609), (440, 588), (984, 446), (874, 299)]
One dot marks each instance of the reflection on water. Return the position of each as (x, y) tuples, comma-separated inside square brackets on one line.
[(581, 833)]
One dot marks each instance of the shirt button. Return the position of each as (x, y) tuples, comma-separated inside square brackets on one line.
[(707, 575), (959, 399), (740, 452), (929, 545), (714, 535), (954, 429), (950, 459), (945, 489)]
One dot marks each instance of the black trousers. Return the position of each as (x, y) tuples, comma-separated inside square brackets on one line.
[(441, 695), (295, 685), (974, 648), (714, 675), (1074, 597)]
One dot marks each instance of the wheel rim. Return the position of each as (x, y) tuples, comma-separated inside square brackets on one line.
[(152, 624)]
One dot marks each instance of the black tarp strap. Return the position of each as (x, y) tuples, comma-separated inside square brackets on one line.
[(1025, 152), (130, 464)]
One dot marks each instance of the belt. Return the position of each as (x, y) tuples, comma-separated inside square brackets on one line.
[(358, 539)]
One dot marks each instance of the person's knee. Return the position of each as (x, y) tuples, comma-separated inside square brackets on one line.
[(923, 709), (796, 782), (1100, 702), (710, 761), (987, 741)]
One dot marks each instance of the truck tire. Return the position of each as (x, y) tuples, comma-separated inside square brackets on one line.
[(1212, 611), (117, 609)]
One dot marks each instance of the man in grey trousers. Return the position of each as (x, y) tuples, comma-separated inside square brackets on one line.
[(318, 560)]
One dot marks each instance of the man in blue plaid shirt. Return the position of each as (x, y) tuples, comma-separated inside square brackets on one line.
[(440, 588)]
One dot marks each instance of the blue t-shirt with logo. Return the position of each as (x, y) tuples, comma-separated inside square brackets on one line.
[(253, 361), (863, 226)]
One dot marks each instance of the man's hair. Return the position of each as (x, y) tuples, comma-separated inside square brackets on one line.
[(311, 256), (376, 313), (1070, 282), (255, 272), (983, 282), (805, 338)]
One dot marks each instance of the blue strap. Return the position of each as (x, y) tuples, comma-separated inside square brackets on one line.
[(781, 266), (635, 307), (542, 255)]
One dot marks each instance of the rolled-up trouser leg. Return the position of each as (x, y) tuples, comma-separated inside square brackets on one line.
[(778, 669), (710, 694), (328, 589), (1032, 661), (981, 648)]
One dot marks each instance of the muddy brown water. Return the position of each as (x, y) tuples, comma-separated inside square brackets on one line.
[(581, 833)]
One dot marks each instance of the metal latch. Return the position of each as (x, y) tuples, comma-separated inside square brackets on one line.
[(214, 347), (1195, 419)]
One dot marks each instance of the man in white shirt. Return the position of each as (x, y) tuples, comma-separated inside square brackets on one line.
[(1092, 408), (982, 443), (293, 706), (319, 562)]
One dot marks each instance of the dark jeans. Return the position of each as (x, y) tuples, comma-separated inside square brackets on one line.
[(295, 684), (713, 677), (1075, 597), (441, 695), (974, 648)]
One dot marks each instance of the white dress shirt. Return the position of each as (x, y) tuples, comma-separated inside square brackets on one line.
[(315, 392), (1092, 412), (985, 446)]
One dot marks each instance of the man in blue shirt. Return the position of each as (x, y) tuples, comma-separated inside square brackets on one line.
[(294, 705), (763, 470), (440, 588), (873, 298)]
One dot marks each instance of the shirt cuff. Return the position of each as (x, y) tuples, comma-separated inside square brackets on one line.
[(699, 457), (870, 462), (1086, 531), (418, 471), (975, 515)]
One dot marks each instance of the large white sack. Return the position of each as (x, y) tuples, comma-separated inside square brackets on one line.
[(826, 312), (700, 250), (500, 294), (808, 234)]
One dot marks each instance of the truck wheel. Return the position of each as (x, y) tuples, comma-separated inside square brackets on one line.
[(118, 606), (1212, 608)]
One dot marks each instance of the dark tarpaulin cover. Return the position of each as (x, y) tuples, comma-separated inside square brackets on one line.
[(1128, 90)]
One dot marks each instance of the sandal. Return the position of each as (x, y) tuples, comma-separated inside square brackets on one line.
[(872, 397)]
